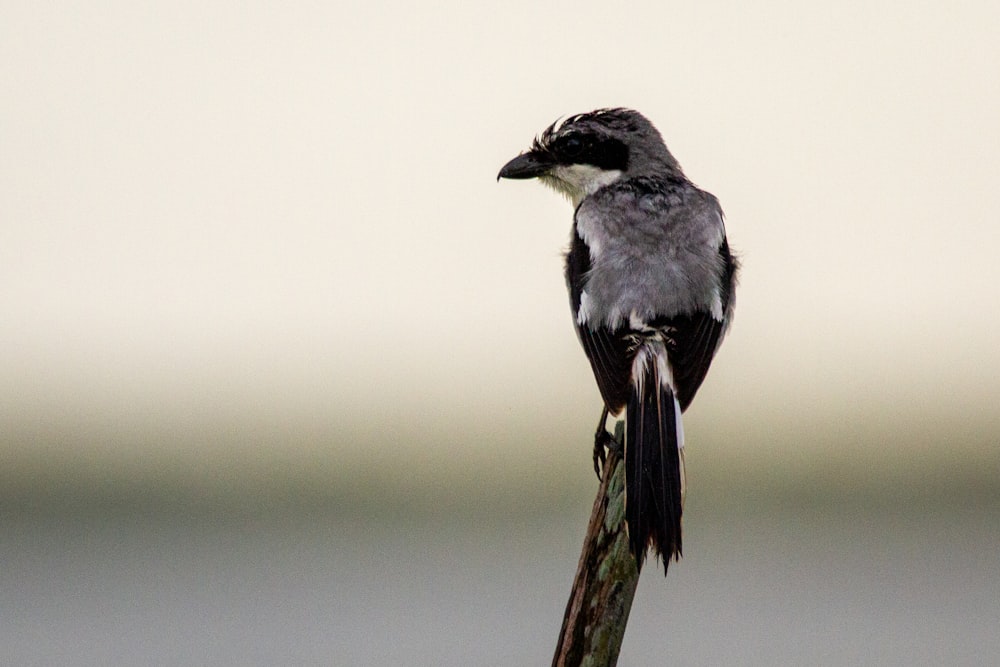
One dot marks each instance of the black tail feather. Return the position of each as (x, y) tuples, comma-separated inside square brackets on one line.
[(652, 470)]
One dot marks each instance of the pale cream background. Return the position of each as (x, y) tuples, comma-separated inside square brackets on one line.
[(237, 239)]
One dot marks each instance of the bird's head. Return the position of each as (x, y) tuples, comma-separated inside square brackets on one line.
[(588, 151)]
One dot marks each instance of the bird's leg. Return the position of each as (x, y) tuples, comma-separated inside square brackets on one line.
[(602, 440)]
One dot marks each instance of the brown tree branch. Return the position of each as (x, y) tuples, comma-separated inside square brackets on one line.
[(599, 603)]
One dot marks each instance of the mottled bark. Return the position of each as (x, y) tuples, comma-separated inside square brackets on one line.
[(605, 582)]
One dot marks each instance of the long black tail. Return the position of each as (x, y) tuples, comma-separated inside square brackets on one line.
[(653, 473)]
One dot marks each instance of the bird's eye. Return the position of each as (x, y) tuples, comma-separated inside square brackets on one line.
[(572, 146)]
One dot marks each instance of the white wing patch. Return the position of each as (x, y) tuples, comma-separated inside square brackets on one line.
[(716, 305), (584, 312), (680, 427)]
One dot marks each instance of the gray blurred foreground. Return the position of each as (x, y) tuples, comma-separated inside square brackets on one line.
[(787, 578)]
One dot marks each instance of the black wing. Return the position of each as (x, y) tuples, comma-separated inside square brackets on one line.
[(611, 353), (691, 341)]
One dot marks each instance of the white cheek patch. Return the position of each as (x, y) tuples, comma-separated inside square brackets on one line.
[(577, 181)]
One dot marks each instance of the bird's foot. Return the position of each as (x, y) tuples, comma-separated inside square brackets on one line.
[(604, 443)]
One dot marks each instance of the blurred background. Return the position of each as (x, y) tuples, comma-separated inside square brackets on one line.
[(288, 378)]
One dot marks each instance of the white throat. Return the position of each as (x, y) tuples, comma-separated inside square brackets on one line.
[(576, 181)]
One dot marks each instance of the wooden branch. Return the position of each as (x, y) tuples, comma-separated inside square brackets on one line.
[(599, 603)]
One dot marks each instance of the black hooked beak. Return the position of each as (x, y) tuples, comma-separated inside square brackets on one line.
[(527, 165)]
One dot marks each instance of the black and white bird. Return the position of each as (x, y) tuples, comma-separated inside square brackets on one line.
[(651, 282)]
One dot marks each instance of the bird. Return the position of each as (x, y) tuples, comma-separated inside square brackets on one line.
[(652, 283)]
